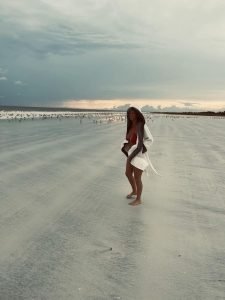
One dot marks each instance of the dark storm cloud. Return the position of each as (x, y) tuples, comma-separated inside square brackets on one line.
[(104, 49)]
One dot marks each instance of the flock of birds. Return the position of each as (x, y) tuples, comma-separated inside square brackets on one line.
[(25, 115), (97, 117)]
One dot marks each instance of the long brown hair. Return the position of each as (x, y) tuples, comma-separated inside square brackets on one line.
[(139, 116), (140, 119)]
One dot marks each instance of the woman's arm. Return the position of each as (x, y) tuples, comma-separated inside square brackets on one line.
[(140, 142), (125, 152)]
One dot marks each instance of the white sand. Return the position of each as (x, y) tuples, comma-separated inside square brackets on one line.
[(63, 205)]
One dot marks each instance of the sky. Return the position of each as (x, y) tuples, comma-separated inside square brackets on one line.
[(156, 54)]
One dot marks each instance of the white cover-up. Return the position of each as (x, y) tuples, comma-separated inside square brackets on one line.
[(142, 160)]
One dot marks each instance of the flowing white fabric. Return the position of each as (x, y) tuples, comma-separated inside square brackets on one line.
[(142, 160)]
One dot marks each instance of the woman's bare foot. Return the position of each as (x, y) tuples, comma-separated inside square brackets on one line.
[(135, 202), (131, 194)]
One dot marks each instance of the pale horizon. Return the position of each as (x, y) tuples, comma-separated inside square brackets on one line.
[(175, 105), (147, 104)]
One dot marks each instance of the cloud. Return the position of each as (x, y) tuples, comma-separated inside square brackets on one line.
[(19, 82), (189, 103), (63, 41), (157, 108), (3, 71), (175, 108), (127, 49), (122, 107), (148, 108), (71, 27), (52, 28), (171, 108), (2, 74)]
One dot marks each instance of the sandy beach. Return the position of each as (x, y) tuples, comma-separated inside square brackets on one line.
[(67, 231)]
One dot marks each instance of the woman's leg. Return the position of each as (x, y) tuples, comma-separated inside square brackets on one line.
[(129, 174), (137, 178)]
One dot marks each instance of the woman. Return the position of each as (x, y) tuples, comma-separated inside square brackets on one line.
[(138, 139)]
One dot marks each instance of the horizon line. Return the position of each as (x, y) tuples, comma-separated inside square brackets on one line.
[(103, 109)]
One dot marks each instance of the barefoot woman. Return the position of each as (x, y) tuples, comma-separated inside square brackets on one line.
[(136, 160)]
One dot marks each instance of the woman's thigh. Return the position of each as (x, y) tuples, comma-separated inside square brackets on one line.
[(129, 168), (137, 173)]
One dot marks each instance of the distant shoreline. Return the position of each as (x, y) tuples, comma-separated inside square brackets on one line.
[(42, 108), (203, 113)]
